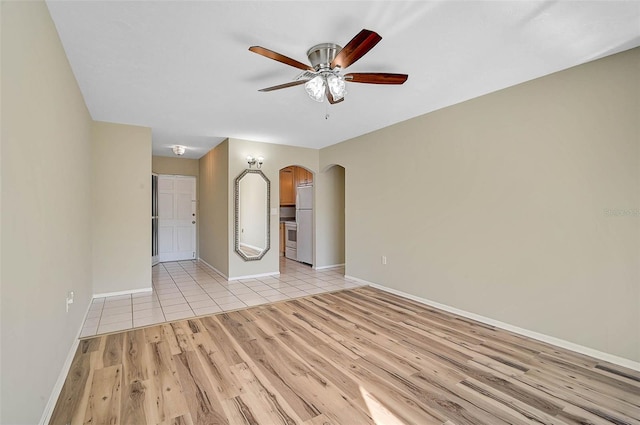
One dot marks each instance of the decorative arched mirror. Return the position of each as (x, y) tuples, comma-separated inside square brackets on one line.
[(252, 218)]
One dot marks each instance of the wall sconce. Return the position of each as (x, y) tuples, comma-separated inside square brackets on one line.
[(251, 160), (179, 150)]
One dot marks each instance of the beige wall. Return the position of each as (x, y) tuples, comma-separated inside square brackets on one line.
[(121, 200), (330, 213), (276, 157), (213, 236), (502, 205), (218, 171), (175, 166), (46, 210)]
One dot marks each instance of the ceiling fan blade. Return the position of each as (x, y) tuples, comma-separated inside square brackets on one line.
[(375, 78), (330, 96), (284, 86), (280, 58), (356, 48)]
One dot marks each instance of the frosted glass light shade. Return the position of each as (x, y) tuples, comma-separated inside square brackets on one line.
[(315, 88), (337, 86)]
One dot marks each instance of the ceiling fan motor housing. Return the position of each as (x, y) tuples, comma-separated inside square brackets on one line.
[(321, 55)]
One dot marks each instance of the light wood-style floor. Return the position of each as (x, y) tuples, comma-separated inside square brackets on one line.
[(353, 357)]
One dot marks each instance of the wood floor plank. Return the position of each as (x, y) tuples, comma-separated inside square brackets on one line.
[(216, 366), (183, 335), (574, 415), (375, 384), (153, 334), (360, 356), (134, 409), (89, 345), (612, 396), (577, 399), (104, 396), (169, 336), (223, 342), (166, 391), (311, 334), (257, 404), (112, 354), (180, 420), (290, 369), (135, 357), (522, 412), (95, 363), (202, 401), (317, 361), (75, 383)]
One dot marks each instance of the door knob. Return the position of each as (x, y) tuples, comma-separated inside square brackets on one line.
[(193, 222)]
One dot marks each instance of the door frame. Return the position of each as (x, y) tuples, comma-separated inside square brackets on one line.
[(155, 258)]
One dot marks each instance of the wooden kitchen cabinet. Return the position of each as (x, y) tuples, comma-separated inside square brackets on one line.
[(303, 176), (287, 186), (290, 178)]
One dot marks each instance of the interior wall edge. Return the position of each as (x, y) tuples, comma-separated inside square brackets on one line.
[(214, 269)]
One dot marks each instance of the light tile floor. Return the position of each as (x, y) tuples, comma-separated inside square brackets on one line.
[(184, 289)]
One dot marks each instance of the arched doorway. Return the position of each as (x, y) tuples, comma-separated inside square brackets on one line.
[(296, 215), (330, 218)]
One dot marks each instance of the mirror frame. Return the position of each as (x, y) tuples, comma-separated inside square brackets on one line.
[(237, 218)]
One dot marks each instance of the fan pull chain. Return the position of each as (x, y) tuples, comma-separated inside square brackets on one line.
[(326, 111)]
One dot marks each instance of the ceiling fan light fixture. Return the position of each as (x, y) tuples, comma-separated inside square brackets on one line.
[(315, 88), (179, 150), (324, 78), (337, 86)]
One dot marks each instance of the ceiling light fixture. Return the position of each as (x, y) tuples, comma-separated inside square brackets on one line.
[(317, 86), (179, 150), (324, 78), (336, 85), (251, 160)]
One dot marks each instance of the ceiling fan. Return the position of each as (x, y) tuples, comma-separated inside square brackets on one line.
[(323, 78)]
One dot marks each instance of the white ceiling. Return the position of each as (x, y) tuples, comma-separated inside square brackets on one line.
[(183, 68)]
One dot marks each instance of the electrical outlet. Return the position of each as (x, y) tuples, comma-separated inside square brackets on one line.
[(384, 260), (69, 299)]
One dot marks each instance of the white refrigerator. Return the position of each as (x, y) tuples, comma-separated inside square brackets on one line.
[(304, 219)]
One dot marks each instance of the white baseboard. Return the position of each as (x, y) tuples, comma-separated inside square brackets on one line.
[(621, 361), (214, 269), (128, 292), (253, 276), (249, 276), (57, 388), (332, 266)]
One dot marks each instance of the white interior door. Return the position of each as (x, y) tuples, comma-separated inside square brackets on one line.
[(177, 218)]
